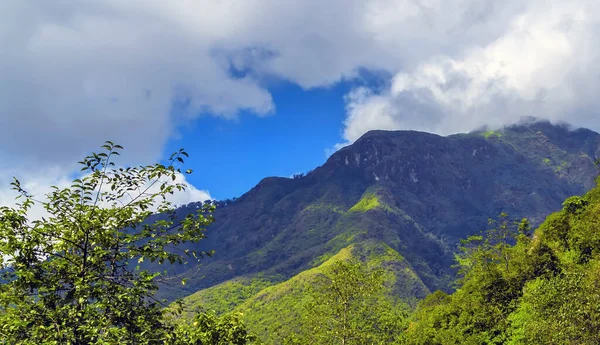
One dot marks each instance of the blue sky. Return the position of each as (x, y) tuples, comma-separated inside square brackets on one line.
[(242, 151), (270, 86), (300, 135)]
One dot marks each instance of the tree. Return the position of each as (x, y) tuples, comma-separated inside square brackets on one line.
[(348, 306), (73, 277), (561, 309), (210, 329), (493, 269)]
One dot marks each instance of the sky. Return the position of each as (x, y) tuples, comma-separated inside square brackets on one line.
[(258, 88)]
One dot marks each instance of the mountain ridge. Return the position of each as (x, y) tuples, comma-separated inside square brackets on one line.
[(430, 191)]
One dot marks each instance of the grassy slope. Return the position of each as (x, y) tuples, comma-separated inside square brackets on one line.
[(367, 202), (327, 228), (225, 297), (272, 309)]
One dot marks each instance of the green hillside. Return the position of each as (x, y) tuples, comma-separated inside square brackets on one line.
[(383, 244), (414, 194), (516, 286), (277, 311), (225, 297), (542, 290), (418, 193)]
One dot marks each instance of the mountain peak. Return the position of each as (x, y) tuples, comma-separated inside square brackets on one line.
[(543, 134), (553, 130)]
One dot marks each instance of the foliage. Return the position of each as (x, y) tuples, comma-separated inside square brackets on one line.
[(561, 310), (209, 329), (491, 134), (574, 204), (367, 202), (540, 289), (279, 311), (346, 307), (476, 313), (69, 278), (226, 296)]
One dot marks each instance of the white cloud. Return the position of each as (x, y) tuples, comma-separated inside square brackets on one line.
[(87, 71), (191, 194), (540, 64), (39, 185), (75, 73)]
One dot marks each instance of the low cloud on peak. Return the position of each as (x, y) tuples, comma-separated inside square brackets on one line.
[(75, 73)]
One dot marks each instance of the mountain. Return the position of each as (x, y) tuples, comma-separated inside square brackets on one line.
[(412, 192)]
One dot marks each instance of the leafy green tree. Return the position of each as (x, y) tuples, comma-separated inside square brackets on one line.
[(73, 277), (210, 329), (492, 248), (348, 306), (563, 309), (494, 267), (521, 289)]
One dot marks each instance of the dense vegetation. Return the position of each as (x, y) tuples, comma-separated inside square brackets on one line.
[(74, 276), (541, 290), (345, 306), (356, 262), (516, 286), (369, 278)]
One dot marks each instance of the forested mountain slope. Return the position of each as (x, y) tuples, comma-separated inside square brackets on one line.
[(415, 192), (544, 289)]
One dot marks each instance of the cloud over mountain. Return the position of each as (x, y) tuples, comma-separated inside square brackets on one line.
[(87, 71)]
